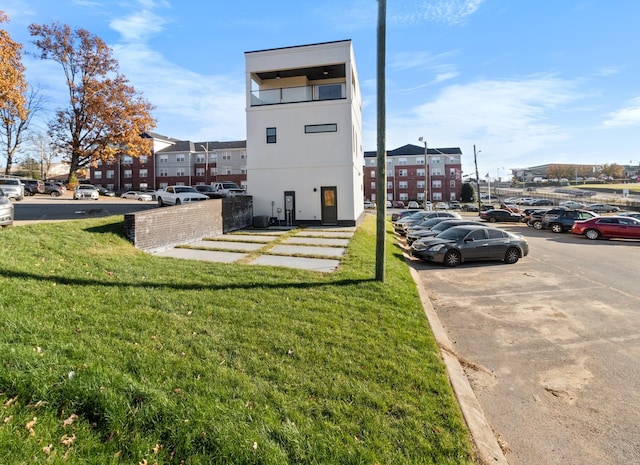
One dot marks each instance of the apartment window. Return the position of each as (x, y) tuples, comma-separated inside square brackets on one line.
[(143, 158), (214, 171), (452, 184), (403, 185), (163, 159), (200, 158), (163, 172), (421, 184), (402, 172), (180, 158), (226, 155), (111, 187), (110, 174), (437, 172), (213, 157), (389, 185), (404, 196), (329, 91), (199, 171), (372, 173), (163, 185), (128, 187), (436, 184), (421, 196), (373, 185), (316, 128), (143, 173), (372, 162), (128, 173), (127, 160), (97, 175), (452, 172), (402, 161), (181, 172), (271, 136), (435, 160), (228, 170), (420, 161)]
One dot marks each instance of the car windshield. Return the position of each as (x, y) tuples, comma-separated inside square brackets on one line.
[(180, 190), (453, 234), (13, 182), (442, 226)]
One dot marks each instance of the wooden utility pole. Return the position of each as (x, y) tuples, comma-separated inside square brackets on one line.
[(381, 178)]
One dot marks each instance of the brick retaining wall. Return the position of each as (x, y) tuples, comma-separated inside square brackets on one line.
[(162, 228)]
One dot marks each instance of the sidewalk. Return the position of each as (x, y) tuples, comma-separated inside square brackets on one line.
[(313, 248)]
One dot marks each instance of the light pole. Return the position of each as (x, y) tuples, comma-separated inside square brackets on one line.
[(427, 173), (206, 161)]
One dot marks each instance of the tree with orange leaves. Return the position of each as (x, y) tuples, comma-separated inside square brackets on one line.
[(13, 88), (106, 117)]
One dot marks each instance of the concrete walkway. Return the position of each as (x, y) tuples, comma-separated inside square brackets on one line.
[(314, 248)]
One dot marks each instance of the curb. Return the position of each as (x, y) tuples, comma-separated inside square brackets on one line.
[(484, 440)]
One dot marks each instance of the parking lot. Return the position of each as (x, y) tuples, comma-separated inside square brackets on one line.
[(550, 345)]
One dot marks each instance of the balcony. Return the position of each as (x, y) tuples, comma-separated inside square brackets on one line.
[(283, 95)]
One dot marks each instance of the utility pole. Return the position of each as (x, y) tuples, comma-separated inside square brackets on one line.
[(381, 159), (475, 160)]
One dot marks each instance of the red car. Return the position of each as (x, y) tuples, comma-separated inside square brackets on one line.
[(608, 226)]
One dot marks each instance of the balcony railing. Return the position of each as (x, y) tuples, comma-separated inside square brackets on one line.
[(297, 94)]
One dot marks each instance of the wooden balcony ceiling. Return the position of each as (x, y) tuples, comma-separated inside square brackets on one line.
[(315, 73)]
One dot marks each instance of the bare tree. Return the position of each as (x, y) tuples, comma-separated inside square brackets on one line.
[(106, 117)]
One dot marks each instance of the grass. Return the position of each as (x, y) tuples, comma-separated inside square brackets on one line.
[(113, 356)]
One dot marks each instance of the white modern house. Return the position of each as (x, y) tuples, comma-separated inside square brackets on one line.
[(304, 134)]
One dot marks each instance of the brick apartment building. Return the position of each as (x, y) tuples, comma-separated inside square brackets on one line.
[(408, 175), (174, 162)]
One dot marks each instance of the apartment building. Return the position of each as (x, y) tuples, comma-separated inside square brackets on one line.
[(174, 162), (410, 178), (304, 134)]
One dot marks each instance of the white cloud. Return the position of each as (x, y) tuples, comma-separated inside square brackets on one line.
[(442, 11), (628, 116)]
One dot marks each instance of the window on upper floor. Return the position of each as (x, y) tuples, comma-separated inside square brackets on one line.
[(403, 185), (316, 128), (402, 161), (329, 91), (402, 172), (143, 173), (200, 158), (271, 135), (143, 158), (127, 160), (180, 158), (128, 173), (97, 175), (372, 173), (163, 159)]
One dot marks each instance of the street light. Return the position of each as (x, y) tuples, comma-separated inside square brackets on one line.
[(427, 173)]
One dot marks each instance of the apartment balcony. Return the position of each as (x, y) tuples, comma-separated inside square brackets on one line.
[(282, 95)]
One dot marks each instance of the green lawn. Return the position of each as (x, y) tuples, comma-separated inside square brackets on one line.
[(110, 355)]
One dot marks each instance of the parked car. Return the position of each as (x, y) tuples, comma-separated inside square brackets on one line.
[(176, 195), (211, 191), (413, 204), (388, 204), (12, 188), (501, 215), (442, 206), (630, 214), (398, 204), (6, 210), (396, 216), (420, 229), (455, 205), (542, 203), (33, 186), (84, 191), (469, 207), (402, 225), (368, 204), (602, 208), (106, 192), (54, 189), (137, 195), (608, 226), (572, 204), (471, 242), (442, 225), (561, 219), (533, 217)]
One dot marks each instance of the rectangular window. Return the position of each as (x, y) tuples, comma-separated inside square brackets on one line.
[(97, 175), (373, 185), (372, 173), (127, 160), (402, 161), (420, 172), (180, 158), (421, 184), (128, 187), (163, 159), (437, 184), (329, 92), (128, 173), (389, 185), (164, 172), (420, 161), (403, 185), (213, 157), (200, 158), (199, 171), (452, 184), (143, 158), (402, 172), (315, 128), (271, 136), (144, 186), (144, 173), (180, 172), (110, 174), (404, 196), (214, 171)]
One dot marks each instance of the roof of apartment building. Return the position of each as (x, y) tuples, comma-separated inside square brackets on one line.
[(411, 149), (210, 146)]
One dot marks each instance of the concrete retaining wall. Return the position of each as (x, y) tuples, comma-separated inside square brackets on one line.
[(162, 228)]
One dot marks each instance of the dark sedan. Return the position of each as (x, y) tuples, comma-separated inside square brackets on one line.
[(499, 214), (442, 225), (466, 243)]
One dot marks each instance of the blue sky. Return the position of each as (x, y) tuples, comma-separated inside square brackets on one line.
[(527, 82)]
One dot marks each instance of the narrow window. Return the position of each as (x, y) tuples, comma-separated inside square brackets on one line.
[(315, 128), (271, 135)]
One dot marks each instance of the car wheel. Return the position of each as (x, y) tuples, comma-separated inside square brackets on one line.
[(537, 225), (512, 256), (592, 234), (452, 258), (492, 220), (178, 202), (54, 194), (160, 204), (557, 228)]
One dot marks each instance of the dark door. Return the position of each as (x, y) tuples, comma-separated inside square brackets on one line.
[(290, 207), (329, 205)]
